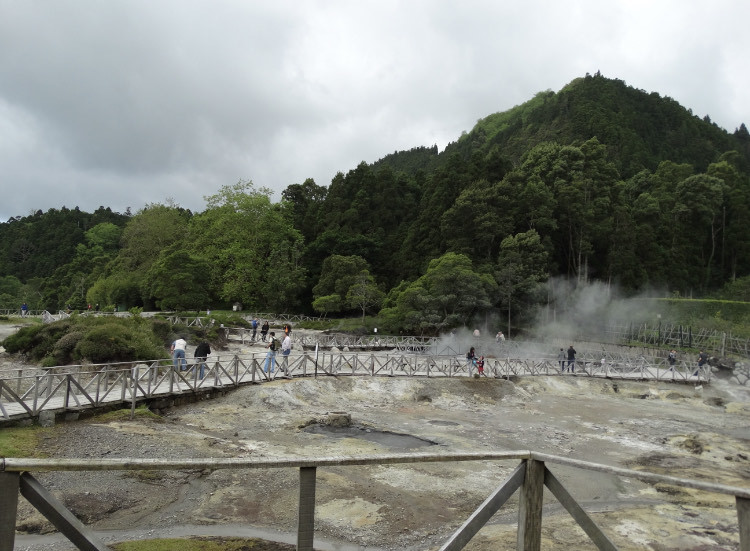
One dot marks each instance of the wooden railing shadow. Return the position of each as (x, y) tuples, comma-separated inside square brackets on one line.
[(528, 479)]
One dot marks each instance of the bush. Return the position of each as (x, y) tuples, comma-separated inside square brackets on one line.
[(94, 339)]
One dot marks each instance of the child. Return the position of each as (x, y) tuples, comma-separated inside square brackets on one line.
[(480, 365)]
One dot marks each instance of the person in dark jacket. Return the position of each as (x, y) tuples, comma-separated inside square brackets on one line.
[(201, 353), (572, 359)]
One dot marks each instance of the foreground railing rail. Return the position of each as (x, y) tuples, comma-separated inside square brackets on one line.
[(529, 479)]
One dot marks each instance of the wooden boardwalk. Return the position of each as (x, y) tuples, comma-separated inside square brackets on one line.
[(73, 389)]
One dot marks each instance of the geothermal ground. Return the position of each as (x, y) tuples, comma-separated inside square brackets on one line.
[(665, 428)]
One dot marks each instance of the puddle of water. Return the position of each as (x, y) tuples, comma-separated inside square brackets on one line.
[(389, 439)]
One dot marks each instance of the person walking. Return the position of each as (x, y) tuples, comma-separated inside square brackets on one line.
[(178, 354), (264, 331), (255, 327), (24, 309), (201, 353), (572, 359), (272, 346)]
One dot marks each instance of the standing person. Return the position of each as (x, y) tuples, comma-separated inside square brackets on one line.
[(272, 346), (287, 329), (561, 358), (471, 359), (672, 359), (255, 327), (178, 354), (24, 309), (264, 331), (702, 360), (499, 337), (201, 353), (572, 359), (286, 349)]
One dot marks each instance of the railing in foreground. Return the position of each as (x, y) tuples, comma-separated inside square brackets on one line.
[(529, 478)]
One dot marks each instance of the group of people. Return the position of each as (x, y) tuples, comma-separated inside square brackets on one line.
[(475, 362), (179, 347), (274, 346)]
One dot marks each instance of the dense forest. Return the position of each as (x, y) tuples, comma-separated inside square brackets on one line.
[(597, 182)]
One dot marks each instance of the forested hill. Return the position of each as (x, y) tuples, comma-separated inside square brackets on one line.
[(599, 181), (640, 130)]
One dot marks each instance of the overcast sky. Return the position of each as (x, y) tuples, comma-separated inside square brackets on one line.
[(122, 103)]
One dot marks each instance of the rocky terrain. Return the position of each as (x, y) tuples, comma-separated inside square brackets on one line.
[(666, 428)]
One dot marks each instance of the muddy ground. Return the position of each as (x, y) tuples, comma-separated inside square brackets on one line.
[(665, 428)]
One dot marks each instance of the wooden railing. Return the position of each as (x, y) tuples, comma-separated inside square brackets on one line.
[(529, 478)]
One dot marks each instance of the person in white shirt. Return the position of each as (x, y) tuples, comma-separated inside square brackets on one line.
[(178, 354)]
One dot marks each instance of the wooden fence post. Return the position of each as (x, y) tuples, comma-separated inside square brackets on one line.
[(306, 514), (530, 507), (8, 509), (743, 516)]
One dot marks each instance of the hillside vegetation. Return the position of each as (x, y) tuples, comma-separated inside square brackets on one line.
[(597, 182)]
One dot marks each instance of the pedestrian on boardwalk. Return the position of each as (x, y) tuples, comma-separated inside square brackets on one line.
[(273, 345), (572, 359), (286, 349), (255, 327), (480, 366), (702, 360), (264, 331), (499, 337), (201, 353), (24, 309), (561, 358), (178, 354), (672, 359), (471, 359)]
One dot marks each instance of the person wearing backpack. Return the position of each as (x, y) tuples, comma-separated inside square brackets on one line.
[(273, 346), (201, 353)]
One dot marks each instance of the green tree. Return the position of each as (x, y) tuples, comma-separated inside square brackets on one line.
[(244, 237), (521, 267), (339, 273), (178, 280), (364, 293), (449, 294)]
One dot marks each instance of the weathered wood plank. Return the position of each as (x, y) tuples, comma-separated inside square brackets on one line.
[(588, 525), (54, 511), (530, 508), (491, 505)]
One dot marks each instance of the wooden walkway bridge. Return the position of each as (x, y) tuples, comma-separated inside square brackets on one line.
[(31, 393)]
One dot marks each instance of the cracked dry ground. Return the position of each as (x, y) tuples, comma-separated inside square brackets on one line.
[(664, 428)]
